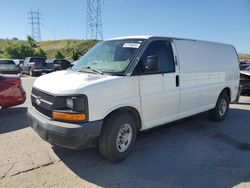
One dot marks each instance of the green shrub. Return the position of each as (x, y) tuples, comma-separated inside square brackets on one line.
[(74, 55), (14, 50), (59, 55), (40, 53), (31, 41), (17, 50)]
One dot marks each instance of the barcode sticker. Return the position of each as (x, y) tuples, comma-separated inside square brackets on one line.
[(131, 45)]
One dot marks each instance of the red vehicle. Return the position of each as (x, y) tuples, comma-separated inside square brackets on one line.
[(11, 91)]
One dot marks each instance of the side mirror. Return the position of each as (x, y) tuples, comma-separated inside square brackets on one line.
[(152, 64)]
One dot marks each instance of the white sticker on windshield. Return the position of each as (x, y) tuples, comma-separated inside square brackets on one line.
[(131, 45)]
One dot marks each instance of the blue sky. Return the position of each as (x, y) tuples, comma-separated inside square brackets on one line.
[(225, 21)]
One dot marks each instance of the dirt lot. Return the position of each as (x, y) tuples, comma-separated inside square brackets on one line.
[(194, 152)]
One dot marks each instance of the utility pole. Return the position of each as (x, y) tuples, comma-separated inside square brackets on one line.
[(94, 20), (35, 22)]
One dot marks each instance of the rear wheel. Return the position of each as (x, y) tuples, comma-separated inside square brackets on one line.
[(220, 111), (117, 137)]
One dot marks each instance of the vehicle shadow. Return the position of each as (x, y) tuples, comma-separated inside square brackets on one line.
[(194, 152), (13, 119), (23, 75)]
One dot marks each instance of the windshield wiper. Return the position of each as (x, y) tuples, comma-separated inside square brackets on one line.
[(89, 69)]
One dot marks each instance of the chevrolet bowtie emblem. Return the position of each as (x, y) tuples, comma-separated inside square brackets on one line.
[(38, 101)]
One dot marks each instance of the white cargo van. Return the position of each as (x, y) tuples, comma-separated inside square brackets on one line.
[(131, 84)]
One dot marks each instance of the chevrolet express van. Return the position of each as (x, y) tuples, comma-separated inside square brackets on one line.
[(130, 84)]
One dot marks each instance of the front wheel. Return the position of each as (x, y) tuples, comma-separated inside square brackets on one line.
[(220, 111), (118, 136)]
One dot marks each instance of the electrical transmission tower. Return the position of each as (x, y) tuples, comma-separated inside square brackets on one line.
[(35, 22), (94, 20)]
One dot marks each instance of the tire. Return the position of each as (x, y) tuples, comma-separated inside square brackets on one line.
[(113, 147), (220, 111)]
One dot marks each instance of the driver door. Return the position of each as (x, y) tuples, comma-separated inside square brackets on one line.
[(159, 90)]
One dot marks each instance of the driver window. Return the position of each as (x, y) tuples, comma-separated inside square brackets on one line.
[(163, 50)]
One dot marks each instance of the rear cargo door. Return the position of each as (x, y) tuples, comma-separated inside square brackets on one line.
[(159, 91)]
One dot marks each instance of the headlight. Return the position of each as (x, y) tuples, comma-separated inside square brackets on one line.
[(76, 103), (70, 108), (69, 103)]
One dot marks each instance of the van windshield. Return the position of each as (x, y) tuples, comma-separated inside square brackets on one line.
[(112, 56)]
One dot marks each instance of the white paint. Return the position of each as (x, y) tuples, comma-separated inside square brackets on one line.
[(132, 37), (205, 69)]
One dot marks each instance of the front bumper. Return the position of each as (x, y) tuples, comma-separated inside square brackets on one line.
[(69, 135), (8, 71), (43, 70)]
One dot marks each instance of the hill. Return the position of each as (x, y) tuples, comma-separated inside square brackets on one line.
[(66, 46), (244, 56)]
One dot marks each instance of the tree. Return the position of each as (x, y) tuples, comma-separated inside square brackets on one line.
[(31, 41), (41, 53), (25, 51), (14, 50), (59, 55), (74, 54), (10, 50)]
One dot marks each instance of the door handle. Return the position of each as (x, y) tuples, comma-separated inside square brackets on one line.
[(177, 80)]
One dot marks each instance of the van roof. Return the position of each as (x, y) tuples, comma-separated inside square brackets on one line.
[(156, 36), (132, 37)]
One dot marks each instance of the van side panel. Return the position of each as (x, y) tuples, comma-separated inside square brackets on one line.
[(206, 68)]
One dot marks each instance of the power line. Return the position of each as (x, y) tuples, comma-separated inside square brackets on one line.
[(35, 22), (94, 20)]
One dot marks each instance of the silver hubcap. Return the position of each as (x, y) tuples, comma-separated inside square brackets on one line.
[(223, 107), (124, 137)]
